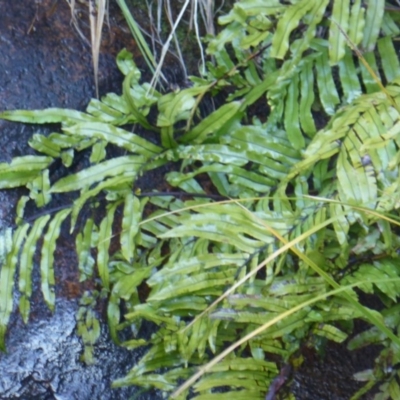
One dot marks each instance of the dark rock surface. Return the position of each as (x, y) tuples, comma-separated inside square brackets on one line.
[(331, 377), (43, 361)]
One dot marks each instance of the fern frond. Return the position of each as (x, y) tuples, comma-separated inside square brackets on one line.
[(26, 265), (47, 257), (117, 136), (9, 263), (127, 166), (22, 170), (103, 245)]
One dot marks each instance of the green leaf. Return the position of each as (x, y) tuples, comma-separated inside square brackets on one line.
[(138, 36), (245, 364), (326, 86), (45, 145), (212, 123), (147, 312), (114, 105), (339, 23), (210, 153), (307, 99), (176, 106), (190, 249), (389, 26), (349, 78), (135, 109), (5, 243), (98, 152), (88, 325), (373, 21), (47, 257), (106, 113), (286, 24), (40, 189), (254, 139), (330, 332), (120, 182), (357, 22), (114, 135), (291, 120), (368, 80), (127, 284), (356, 184), (22, 170), (196, 264), (67, 157), (231, 32), (341, 224), (103, 245), (251, 8), (390, 60), (257, 91), (19, 217), (187, 285), (47, 116), (130, 225), (26, 163), (126, 64), (394, 389), (26, 265), (68, 142), (234, 379), (127, 166), (84, 242), (254, 38), (234, 395), (7, 273), (225, 228)]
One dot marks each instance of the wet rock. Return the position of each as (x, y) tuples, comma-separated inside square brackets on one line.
[(43, 361), (331, 377)]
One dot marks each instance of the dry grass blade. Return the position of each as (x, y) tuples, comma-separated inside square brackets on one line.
[(97, 13), (74, 21), (196, 27), (208, 7), (165, 48), (96, 17), (207, 13), (177, 46)]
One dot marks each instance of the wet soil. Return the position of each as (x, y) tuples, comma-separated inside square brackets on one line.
[(44, 63)]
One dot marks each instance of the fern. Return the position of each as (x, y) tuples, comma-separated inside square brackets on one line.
[(309, 222)]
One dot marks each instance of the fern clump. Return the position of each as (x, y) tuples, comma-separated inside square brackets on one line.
[(287, 207)]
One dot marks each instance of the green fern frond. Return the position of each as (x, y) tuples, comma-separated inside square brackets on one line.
[(47, 257), (8, 269), (287, 65)]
